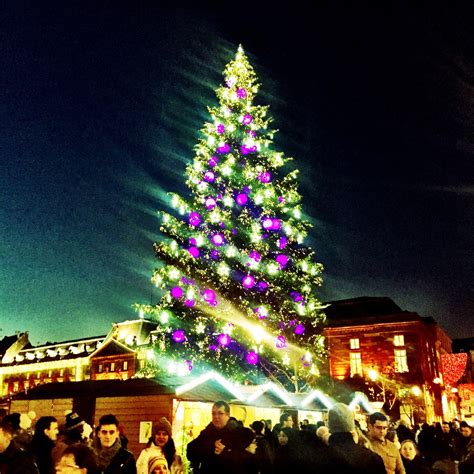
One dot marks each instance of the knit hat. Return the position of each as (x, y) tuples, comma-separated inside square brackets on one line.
[(340, 419), (154, 462), (73, 420), (162, 425)]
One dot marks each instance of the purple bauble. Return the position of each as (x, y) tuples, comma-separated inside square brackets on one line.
[(194, 219), (280, 342), (217, 239), (267, 223), (276, 224), (254, 255), (194, 251), (213, 160), (299, 329), (209, 176), (215, 254), (241, 93), (265, 177), (263, 286), (179, 335), (248, 281), (225, 148), (209, 295), (252, 358), (210, 203), (176, 292), (281, 259), (223, 339), (189, 303), (247, 119), (282, 242), (241, 199), (220, 129)]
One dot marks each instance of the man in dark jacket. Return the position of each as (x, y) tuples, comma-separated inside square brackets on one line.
[(44, 440), (220, 447), (112, 456), (13, 460), (350, 457)]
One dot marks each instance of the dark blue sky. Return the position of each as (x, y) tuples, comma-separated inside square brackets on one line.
[(101, 104)]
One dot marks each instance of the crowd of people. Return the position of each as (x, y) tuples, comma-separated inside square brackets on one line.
[(226, 446)]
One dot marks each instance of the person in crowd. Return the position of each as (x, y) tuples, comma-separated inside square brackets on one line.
[(428, 443), (404, 431), (323, 434), (13, 460), (466, 465), (378, 426), (44, 440), (157, 465), (21, 424), (161, 444), (72, 433), (286, 421), (393, 437), (286, 451), (112, 457), (447, 439), (78, 459), (264, 451), (412, 461), (350, 457), (445, 463), (218, 447)]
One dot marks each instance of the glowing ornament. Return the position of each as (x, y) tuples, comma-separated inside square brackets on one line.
[(179, 335), (299, 329), (223, 339), (296, 296), (189, 303), (281, 259), (192, 241), (261, 312), (224, 148), (194, 252), (276, 224), (194, 219), (267, 223), (217, 239), (263, 286), (241, 93), (231, 81), (241, 199), (282, 242), (209, 176), (281, 199), (209, 295), (189, 364), (252, 358), (248, 281), (177, 292), (247, 119), (245, 150), (213, 160), (280, 342), (254, 255), (220, 129), (213, 347), (210, 203), (215, 254), (265, 177)]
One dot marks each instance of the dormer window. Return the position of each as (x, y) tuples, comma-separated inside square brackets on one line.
[(399, 340), (354, 343)]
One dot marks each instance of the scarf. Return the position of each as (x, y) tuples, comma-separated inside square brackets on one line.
[(105, 455)]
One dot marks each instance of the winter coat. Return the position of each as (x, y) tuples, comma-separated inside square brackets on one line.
[(15, 460), (42, 447), (122, 463), (416, 466)]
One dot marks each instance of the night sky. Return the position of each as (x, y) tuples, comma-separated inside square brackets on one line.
[(101, 104)]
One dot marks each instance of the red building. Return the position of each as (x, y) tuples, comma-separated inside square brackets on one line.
[(392, 355)]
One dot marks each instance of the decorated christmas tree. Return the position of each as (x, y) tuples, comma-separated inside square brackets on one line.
[(237, 283)]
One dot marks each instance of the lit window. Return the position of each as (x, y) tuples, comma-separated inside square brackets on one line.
[(125, 365), (101, 368), (112, 366), (61, 373), (356, 363), (355, 343), (399, 340), (401, 364)]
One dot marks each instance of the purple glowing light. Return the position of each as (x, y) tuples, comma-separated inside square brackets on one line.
[(192, 241), (281, 199), (223, 339), (209, 295), (210, 203), (231, 81), (265, 177), (245, 150), (276, 224), (213, 160), (215, 254), (252, 358), (281, 259), (262, 313), (247, 119), (263, 286), (299, 329), (213, 303), (213, 347), (280, 342), (241, 93), (179, 335), (189, 364), (194, 252), (241, 199), (267, 223), (209, 176), (189, 303), (194, 219), (282, 242), (176, 292), (225, 148), (297, 297), (220, 129), (254, 255), (248, 281), (217, 239)]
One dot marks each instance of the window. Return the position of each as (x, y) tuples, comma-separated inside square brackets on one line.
[(355, 343), (61, 373), (399, 340), (112, 366), (100, 368), (125, 365), (401, 364), (356, 363)]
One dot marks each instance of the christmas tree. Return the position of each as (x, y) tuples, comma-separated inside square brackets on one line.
[(237, 282)]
